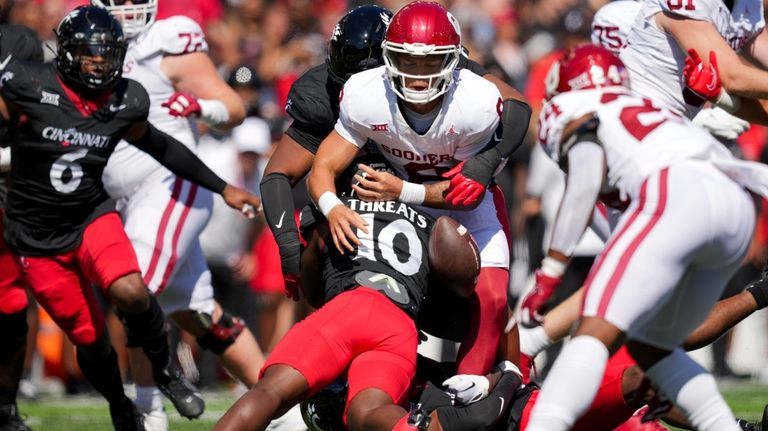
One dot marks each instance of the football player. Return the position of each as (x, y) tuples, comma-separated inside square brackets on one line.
[(164, 214), (425, 116), (365, 326), (592, 127), (16, 43), (59, 220)]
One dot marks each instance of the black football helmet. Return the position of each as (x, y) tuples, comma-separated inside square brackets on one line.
[(356, 41), (324, 410), (86, 34)]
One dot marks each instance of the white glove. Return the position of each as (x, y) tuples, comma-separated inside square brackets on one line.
[(720, 123), (507, 366), (467, 388)]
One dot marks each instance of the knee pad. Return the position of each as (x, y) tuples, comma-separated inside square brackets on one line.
[(220, 335), (14, 333)]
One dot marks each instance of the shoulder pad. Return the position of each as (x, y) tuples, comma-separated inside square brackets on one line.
[(135, 98), (21, 42), (309, 101), (15, 80), (175, 36)]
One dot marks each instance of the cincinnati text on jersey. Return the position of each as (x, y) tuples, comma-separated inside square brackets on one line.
[(389, 207), (73, 137)]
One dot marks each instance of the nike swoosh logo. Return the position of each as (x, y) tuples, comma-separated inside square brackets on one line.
[(712, 84), (280, 222), (501, 409), (114, 108), (6, 61)]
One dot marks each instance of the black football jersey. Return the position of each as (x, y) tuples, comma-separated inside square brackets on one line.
[(17, 43), (59, 150), (313, 103), (396, 246)]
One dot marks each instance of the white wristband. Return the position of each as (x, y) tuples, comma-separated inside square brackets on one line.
[(212, 111), (412, 193), (327, 201), (5, 159), (727, 102), (552, 267)]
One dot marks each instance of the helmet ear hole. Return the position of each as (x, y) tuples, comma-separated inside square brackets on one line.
[(91, 48), (355, 44)]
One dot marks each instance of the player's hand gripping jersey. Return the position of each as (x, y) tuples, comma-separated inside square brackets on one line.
[(369, 111), (391, 258), (60, 152), (177, 35), (655, 61)]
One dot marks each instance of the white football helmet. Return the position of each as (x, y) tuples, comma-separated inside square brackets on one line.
[(134, 17)]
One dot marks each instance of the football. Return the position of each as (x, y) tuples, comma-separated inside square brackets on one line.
[(454, 258)]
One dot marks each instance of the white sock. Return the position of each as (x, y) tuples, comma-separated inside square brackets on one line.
[(694, 390), (148, 399), (533, 340), (571, 385)]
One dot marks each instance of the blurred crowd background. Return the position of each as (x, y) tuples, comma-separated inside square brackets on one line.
[(260, 47)]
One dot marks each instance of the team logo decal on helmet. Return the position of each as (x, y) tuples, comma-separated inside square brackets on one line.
[(586, 67), (356, 41)]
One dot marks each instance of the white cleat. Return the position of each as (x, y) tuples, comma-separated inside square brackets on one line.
[(290, 421), (155, 420)]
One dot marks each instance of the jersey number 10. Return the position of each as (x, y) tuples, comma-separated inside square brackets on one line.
[(385, 241)]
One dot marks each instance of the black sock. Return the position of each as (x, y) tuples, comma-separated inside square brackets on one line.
[(98, 362), (147, 329)]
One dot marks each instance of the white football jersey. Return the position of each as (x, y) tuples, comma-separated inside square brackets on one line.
[(655, 61), (465, 124), (638, 136), (612, 22), (129, 166)]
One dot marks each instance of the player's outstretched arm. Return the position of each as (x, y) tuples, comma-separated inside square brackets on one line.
[(739, 77), (183, 162), (333, 156), (195, 76)]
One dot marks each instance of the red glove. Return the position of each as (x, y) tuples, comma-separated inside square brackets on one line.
[(292, 286), (702, 82), (533, 304), (462, 191), (182, 104)]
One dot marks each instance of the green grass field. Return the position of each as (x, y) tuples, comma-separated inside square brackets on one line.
[(90, 413)]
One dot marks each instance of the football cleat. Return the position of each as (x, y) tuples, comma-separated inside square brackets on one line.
[(10, 419), (125, 416), (182, 393)]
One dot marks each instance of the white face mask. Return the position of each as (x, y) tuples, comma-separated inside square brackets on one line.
[(134, 18)]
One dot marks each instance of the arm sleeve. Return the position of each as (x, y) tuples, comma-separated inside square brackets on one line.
[(179, 159), (585, 177), (515, 117), (277, 201)]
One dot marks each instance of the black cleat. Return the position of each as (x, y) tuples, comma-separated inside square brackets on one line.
[(182, 393), (125, 416), (10, 419), (745, 425), (764, 421)]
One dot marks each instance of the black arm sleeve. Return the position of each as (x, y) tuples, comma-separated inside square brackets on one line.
[(515, 118), (179, 159), (277, 202)]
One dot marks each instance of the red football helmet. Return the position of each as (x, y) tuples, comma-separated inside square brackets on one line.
[(585, 67), (422, 29)]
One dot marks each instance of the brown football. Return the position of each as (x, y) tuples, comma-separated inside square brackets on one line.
[(454, 258)]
